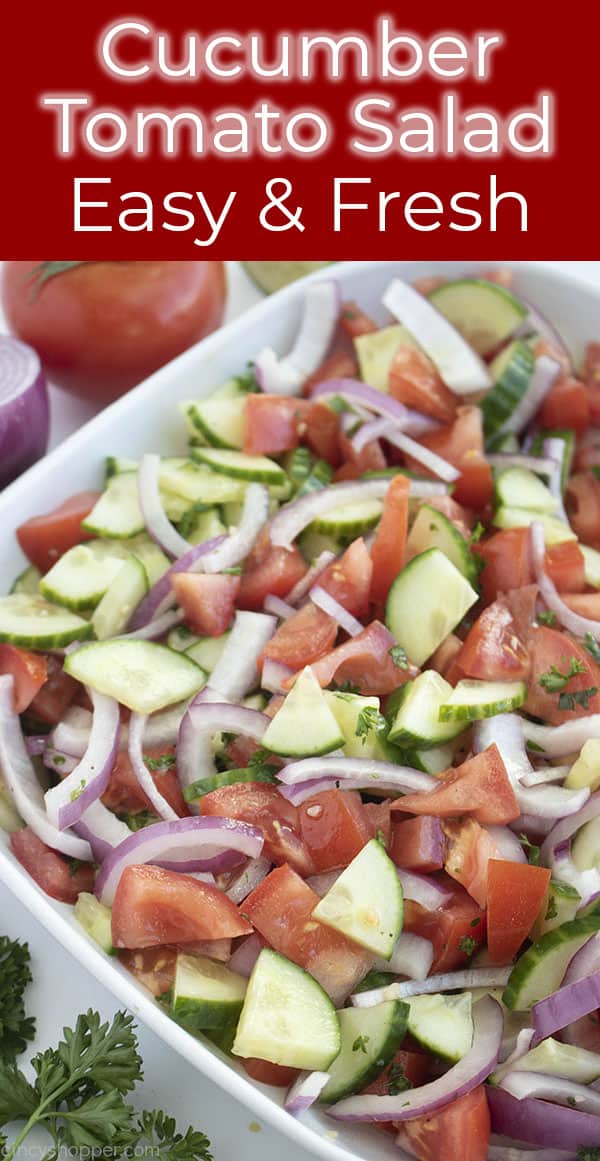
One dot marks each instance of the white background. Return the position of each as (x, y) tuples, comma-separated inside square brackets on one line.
[(62, 988)]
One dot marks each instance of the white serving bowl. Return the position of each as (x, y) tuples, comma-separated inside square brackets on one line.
[(147, 419)]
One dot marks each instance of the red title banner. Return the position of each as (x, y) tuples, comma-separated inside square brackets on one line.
[(181, 133)]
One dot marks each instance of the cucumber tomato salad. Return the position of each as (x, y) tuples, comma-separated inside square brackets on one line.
[(305, 722)]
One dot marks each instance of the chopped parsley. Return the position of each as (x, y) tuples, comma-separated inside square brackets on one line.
[(547, 617), (468, 945), (360, 1044), (553, 680), (552, 910), (398, 656), (532, 852), (160, 764), (592, 647), (477, 533), (568, 701), (397, 1080), (370, 719)]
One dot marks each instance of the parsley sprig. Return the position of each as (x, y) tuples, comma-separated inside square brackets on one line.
[(553, 680), (15, 1027), (370, 719)]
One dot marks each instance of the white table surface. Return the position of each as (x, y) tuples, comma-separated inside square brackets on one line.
[(62, 988)]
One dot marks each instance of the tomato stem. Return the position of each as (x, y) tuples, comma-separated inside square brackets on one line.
[(41, 274)]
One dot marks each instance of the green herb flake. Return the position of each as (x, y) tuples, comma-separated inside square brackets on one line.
[(592, 647), (399, 656), (532, 852), (397, 1080), (468, 945), (370, 719), (161, 764), (554, 680), (547, 617), (360, 1044)]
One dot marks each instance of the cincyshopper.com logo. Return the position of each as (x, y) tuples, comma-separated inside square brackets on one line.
[(80, 1152)]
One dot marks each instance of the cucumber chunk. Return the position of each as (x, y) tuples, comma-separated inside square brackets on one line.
[(206, 994), (349, 520), (433, 761), (195, 481), (150, 555), (304, 725), (520, 488), (117, 513), (556, 1059), (555, 530), (585, 850), (116, 465), (416, 720), (485, 313), (561, 906), (181, 638), (287, 1017), (426, 602), (442, 1024), (229, 778), (206, 651), (35, 623), (376, 350), (346, 709), (365, 903), (112, 615), (240, 466), (540, 970), (27, 581), (371, 1038), (472, 700), (219, 422), (511, 371), (200, 526), (591, 559), (141, 675), (80, 578), (95, 919), (432, 529)]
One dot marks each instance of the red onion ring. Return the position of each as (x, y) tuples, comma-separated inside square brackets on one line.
[(305, 1090), (541, 1122), (328, 604), (491, 977), (137, 726), (158, 525), (576, 624), (285, 376)]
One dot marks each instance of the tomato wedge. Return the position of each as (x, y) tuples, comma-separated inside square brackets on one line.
[(418, 844), (45, 538), (470, 848), (322, 432), (348, 579), (460, 1129), (354, 322), (365, 662), (339, 365), (492, 650), (154, 906), (269, 570), (154, 967), (263, 806), (58, 876), (303, 638), (272, 423), (479, 787), (566, 405), (456, 930), (56, 694), (515, 894), (207, 600), (414, 380), (550, 648), (264, 1072), (387, 553), (462, 444), (583, 507), (334, 826), (124, 794), (28, 671)]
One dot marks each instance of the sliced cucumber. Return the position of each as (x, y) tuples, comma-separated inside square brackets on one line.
[(520, 488), (505, 443), (371, 1038), (431, 529), (346, 709), (305, 724), (313, 543), (540, 970), (206, 651), (511, 371), (95, 919), (27, 581), (201, 526), (181, 639), (117, 513), (80, 578), (485, 313), (585, 771), (376, 350), (585, 850), (150, 555), (112, 615), (365, 903), (560, 907), (555, 530), (471, 700), (140, 674), (349, 520), (591, 558), (228, 778), (415, 721), (116, 465), (556, 1059), (206, 994), (433, 761), (219, 422), (442, 1024), (287, 1017), (35, 623), (240, 466), (195, 481), (426, 602)]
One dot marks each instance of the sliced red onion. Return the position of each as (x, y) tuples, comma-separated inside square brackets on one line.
[(277, 607), (544, 374), (555, 450), (521, 1048), (472, 1070), (253, 873), (502, 460), (302, 791), (66, 802), (303, 586), (585, 962), (102, 829), (545, 774), (412, 956), (246, 955), (188, 844), (574, 622), (293, 518), (359, 394), (371, 431), (492, 977), (506, 731), (459, 365), (369, 771), (35, 744), (157, 628), (541, 1122), (567, 827), (323, 882), (60, 762), (552, 1088), (236, 547), (507, 843), (161, 596), (568, 1004), (305, 1090), (537, 323), (199, 725), (560, 741), (328, 604), (22, 784), (274, 673), (157, 522), (430, 460), (285, 376), (24, 409), (137, 726), (236, 671), (512, 1153)]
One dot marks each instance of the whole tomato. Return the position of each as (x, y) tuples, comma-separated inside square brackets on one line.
[(102, 327)]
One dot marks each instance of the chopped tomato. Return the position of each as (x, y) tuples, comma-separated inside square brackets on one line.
[(586, 604), (58, 876), (565, 566), (355, 322), (268, 569), (515, 894), (387, 553), (263, 806), (334, 827), (379, 815), (369, 459), (507, 562), (56, 694), (583, 507), (414, 380), (365, 662), (339, 365), (303, 638), (418, 844), (207, 600), (322, 432), (124, 794), (463, 446), (281, 908), (272, 423), (460, 1129), (348, 579), (264, 1072), (480, 787), (548, 648), (45, 538), (492, 650), (461, 517), (448, 927), (566, 405), (28, 671), (154, 967), (154, 906), (470, 848), (428, 283), (411, 1063), (444, 660)]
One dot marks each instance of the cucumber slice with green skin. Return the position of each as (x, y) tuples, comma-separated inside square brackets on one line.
[(287, 1017), (28, 581), (141, 675), (112, 615), (240, 466), (433, 761), (511, 371), (371, 1038), (483, 312), (34, 623), (305, 725), (202, 526), (236, 386), (555, 530), (223, 1038), (95, 919), (80, 578), (219, 422), (556, 1059), (591, 559), (431, 529), (206, 994), (375, 352), (520, 488), (206, 651), (540, 970), (366, 903), (568, 437), (116, 465), (228, 778), (426, 602), (443, 1024), (585, 850), (195, 481), (313, 543), (472, 700), (117, 513), (415, 720), (150, 555), (346, 709), (560, 907), (504, 443)]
